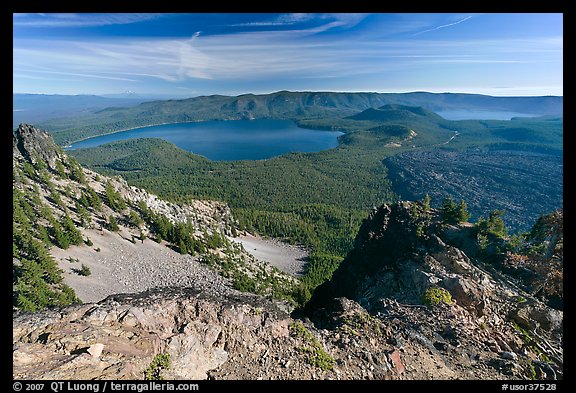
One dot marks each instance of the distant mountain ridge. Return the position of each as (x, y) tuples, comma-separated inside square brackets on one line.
[(283, 105), (33, 108)]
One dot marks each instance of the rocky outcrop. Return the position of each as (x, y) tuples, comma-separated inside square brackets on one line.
[(213, 214), (238, 336), (119, 337), (400, 254), (35, 146), (226, 336)]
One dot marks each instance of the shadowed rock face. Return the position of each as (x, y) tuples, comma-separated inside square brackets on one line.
[(35, 145), (398, 254), (386, 245)]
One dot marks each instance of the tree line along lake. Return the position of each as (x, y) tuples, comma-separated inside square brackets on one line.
[(229, 140), (232, 140)]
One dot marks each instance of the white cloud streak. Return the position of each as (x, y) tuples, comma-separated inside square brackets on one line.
[(443, 26), (328, 21), (258, 55), (94, 76), (281, 20), (79, 20)]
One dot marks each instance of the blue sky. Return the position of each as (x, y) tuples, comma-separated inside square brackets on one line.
[(185, 55)]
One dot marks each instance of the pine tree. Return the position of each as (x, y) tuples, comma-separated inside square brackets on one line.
[(60, 169), (462, 214), (44, 236), (94, 199), (426, 203), (83, 215), (493, 225), (113, 224), (83, 200), (115, 200), (76, 171), (29, 170), (74, 235), (549, 229), (134, 219), (182, 247), (60, 236), (448, 211), (496, 224)]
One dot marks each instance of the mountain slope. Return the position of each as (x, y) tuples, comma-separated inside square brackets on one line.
[(75, 229), (402, 113)]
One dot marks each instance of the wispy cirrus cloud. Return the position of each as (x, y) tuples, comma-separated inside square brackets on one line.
[(256, 55), (323, 21), (79, 20), (444, 26), (281, 20), (94, 76)]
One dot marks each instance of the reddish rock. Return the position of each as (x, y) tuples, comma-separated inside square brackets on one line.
[(395, 360)]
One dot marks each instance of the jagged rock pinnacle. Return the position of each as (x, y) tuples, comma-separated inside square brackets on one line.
[(34, 145)]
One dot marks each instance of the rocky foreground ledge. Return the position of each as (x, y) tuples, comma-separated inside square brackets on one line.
[(119, 337), (235, 336), (240, 336)]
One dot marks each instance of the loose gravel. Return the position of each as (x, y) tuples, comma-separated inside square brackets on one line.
[(287, 258), (121, 266)]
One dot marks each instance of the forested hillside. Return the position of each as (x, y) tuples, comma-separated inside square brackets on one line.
[(316, 199), (281, 105), (299, 196)]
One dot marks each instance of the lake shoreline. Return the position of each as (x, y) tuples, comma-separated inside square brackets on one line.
[(227, 140), (67, 147)]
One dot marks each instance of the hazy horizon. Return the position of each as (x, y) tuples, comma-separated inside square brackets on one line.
[(168, 96)]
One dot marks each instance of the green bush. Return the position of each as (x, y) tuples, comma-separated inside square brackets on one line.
[(159, 363), (452, 213), (244, 283), (113, 197), (315, 354), (84, 271), (493, 224), (436, 295), (113, 224)]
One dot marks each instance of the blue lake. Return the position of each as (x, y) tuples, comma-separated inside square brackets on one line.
[(462, 114), (230, 140)]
